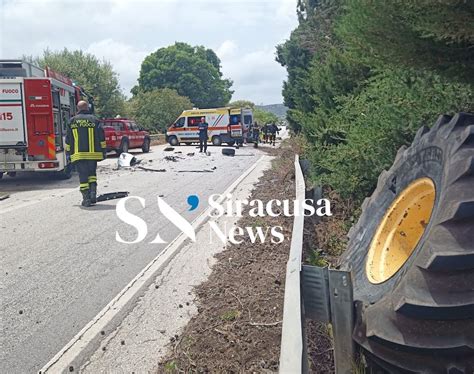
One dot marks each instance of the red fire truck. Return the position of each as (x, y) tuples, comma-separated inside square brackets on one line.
[(35, 106)]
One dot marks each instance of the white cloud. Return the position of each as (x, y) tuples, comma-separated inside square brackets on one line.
[(125, 58), (226, 49), (256, 74), (243, 33)]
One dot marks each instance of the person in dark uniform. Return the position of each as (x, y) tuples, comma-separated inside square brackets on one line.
[(255, 135), (265, 133), (273, 130), (203, 126), (85, 142)]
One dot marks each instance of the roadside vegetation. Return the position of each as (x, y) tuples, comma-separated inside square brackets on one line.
[(356, 95), (363, 77), (155, 110)]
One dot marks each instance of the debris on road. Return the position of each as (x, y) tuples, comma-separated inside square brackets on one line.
[(150, 169), (196, 171), (127, 160), (168, 149), (228, 151), (112, 195), (190, 154), (4, 197), (173, 158)]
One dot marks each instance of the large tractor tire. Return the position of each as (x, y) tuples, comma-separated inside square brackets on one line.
[(412, 256)]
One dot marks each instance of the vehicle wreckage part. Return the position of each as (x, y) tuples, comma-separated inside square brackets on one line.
[(228, 151), (127, 160), (112, 196), (412, 256)]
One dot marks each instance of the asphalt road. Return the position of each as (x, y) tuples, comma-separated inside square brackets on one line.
[(60, 263)]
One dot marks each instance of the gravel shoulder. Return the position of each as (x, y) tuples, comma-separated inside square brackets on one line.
[(237, 327)]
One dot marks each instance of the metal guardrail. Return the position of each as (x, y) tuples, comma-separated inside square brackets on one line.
[(317, 293), (292, 341)]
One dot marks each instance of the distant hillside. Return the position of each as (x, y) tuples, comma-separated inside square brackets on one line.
[(277, 109)]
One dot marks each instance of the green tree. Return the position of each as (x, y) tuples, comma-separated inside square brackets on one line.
[(375, 122), (156, 110), (364, 75), (191, 71), (242, 104), (263, 117), (428, 34), (309, 45), (96, 77)]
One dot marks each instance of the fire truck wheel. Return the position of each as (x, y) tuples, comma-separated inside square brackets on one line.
[(123, 147), (146, 145), (411, 255), (173, 140), (66, 173), (216, 140)]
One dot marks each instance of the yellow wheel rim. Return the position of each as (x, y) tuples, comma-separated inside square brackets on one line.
[(400, 230)]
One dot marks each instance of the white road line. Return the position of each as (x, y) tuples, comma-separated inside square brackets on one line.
[(61, 362)]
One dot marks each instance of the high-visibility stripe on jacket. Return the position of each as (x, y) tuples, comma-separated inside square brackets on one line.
[(85, 138)]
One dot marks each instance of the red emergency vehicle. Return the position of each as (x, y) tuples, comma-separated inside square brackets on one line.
[(35, 106), (122, 134)]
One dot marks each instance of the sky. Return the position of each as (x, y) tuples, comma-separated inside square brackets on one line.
[(243, 33)]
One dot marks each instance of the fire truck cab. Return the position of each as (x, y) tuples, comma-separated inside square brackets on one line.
[(35, 107)]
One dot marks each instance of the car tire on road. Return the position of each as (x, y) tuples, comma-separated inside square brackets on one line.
[(216, 140), (228, 151), (412, 255), (146, 145)]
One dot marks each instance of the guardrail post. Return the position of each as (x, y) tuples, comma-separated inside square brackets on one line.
[(342, 320), (318, 293)]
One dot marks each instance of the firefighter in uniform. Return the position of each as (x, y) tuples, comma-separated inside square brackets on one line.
[(85, 141)]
